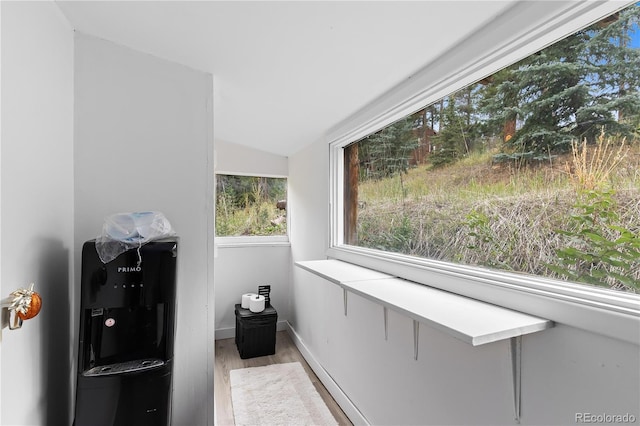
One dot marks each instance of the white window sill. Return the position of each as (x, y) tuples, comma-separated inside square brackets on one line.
[(236, 242), (602, 311)]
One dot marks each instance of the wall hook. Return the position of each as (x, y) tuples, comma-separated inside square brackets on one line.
[(23, 304)]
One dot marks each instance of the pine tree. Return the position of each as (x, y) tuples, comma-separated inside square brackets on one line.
[(550, 94), (451, 140), (499, 106), (571, 90), (615, 80), (386, 153)]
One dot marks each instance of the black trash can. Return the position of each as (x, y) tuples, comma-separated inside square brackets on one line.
[(256, 332)]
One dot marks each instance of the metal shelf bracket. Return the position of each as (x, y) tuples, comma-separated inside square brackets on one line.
[(416, 334), (344, 297), (516, 373), (386, 322)]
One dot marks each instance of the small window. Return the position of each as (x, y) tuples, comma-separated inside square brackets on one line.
[(533, 169), (251, 206)]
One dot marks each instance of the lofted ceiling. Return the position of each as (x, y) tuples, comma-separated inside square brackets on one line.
[(287, 72)]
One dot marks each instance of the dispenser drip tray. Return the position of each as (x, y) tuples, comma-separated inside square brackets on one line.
[(124, 367)]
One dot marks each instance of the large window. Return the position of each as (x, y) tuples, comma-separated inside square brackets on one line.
[(533, 169), (251, 206)]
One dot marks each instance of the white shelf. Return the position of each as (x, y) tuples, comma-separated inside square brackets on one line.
[(339, 272), (469, 320), (466, 319)]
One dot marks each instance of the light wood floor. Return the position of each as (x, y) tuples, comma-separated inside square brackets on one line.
[(228, 358)]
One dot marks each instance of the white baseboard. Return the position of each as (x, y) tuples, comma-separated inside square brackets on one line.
[(225, 333), (230, 332), (341, 398)]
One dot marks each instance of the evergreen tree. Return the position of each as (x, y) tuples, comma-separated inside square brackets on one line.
[(450, 142), (615, 79), (499, 105), (571, 90), (386, 153), (574, 89), (468, 119), (550, 93)]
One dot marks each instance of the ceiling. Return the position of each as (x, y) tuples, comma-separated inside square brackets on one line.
[(285, 73)]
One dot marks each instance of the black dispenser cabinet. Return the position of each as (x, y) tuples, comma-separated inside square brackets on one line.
[(127, 323)]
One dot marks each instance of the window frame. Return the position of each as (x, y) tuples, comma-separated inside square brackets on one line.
[(608, 312), (250, 240)]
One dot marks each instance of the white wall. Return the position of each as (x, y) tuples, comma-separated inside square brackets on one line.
[(239, 159), (143, 131), (309, 201), (564, 370), (309, 207), (37, 210), (241, 269)]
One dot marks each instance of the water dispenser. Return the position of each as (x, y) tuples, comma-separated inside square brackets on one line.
[(127, 323)]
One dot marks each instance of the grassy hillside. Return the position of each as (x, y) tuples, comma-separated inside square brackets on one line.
[(514, 218)]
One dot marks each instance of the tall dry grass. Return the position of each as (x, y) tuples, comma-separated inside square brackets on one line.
[(593, 169), (478, 213)]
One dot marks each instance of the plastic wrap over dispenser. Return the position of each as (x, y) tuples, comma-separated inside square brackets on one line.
[(125, 231)]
